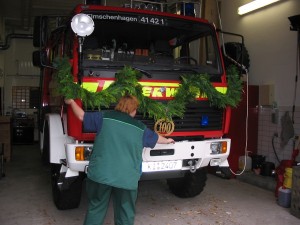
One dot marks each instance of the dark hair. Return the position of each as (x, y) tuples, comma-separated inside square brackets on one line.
[(127, 104)]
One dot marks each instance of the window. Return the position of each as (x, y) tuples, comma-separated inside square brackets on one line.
[(24, 97)]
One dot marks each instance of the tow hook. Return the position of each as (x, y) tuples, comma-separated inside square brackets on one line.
[(192, 164)]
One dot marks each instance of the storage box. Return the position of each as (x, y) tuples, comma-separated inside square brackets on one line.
[(295, 202), (5, 136), (266, 95)]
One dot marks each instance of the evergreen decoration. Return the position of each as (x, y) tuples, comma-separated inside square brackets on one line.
[(126, 82)]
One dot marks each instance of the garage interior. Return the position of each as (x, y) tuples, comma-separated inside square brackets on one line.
[(264, 128)]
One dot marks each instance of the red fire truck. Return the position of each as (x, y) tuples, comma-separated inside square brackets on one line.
[(162, 41)]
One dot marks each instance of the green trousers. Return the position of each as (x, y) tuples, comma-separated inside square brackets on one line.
[(98, 201)]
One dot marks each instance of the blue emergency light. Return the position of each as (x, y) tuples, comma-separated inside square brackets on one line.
[(187, 9), (204, 120)]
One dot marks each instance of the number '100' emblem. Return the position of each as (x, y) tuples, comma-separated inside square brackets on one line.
[(164, 127)]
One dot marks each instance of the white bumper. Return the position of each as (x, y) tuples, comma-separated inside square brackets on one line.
[(186, 155), (171, 156)]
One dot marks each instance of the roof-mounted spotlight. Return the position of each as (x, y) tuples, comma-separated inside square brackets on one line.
[(82, 25)]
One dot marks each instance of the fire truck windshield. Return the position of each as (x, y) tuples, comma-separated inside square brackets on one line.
[(152, 43)]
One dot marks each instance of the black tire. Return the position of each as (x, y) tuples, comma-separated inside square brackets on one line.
[(238, 52), (66, 192), (40, 31), (190, 185)]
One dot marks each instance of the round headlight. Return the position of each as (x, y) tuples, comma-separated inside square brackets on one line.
[(82, 25)]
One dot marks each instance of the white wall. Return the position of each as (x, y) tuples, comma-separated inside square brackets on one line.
[(18, 70), (271, 45)]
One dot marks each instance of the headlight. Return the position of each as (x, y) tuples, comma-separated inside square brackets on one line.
[(218, 147), (82, 25), (83, 153)]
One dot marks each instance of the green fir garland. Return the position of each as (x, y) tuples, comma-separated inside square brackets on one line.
[(126, 82)]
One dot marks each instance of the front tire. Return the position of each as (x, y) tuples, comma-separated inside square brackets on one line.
[(66, 192), (190, 185)]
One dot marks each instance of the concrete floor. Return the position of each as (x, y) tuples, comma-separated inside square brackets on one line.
[(25, 199)]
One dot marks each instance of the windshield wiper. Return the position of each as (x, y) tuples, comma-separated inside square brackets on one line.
[(176, 70), (107, 66), (143, 72)]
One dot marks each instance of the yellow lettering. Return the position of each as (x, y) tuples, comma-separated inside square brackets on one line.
[(151, 89), (156, 92), (147, 91), (170, 92)]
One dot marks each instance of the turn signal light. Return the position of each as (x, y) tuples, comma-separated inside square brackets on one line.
[(83, 153), (224, 147), (79, 153)]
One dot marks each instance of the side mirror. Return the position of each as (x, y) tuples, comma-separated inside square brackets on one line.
[(38, 58), (40, 30)]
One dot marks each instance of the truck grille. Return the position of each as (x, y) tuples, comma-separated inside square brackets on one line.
[(194, 117)]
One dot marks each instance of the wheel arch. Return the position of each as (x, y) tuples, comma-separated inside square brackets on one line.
[(57, 137)]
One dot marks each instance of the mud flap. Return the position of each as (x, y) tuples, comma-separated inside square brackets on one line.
[(66, 191)]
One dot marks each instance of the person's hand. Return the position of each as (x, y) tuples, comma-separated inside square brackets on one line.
[(163, 140), (78, 111), (170, 141), (69, 101)]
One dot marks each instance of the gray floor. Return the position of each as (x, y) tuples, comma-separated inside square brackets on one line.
[(25, 199)]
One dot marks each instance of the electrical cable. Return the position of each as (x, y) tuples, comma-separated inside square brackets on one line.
[(247, 90), (275, 149), (296, 77), (246, 129)]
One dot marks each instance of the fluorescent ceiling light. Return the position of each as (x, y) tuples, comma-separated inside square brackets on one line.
[(254, 5)]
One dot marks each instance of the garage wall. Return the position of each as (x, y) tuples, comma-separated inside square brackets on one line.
[(272, 47), (271, 44), (18, 71)]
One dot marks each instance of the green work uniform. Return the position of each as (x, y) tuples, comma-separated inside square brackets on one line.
[(115, 165)]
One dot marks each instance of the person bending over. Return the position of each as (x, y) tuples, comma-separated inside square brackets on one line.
[(115, 163)]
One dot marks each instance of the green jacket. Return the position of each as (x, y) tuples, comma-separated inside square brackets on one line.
[(117, 153)]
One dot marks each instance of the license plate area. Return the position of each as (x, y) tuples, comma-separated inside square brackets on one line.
[(162, 166)]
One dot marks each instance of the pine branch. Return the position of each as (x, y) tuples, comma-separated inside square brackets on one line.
[(126, 82)]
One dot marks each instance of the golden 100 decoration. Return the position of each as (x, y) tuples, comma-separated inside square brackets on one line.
[(164, 127)]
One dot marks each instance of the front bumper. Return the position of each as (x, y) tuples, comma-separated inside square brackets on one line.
[(185, 155)]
